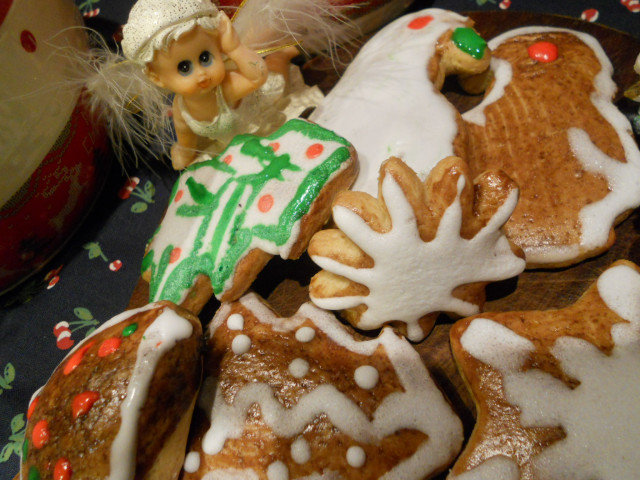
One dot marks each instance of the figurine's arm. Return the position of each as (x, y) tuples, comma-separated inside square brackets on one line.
[(252, 70), (183, 151)]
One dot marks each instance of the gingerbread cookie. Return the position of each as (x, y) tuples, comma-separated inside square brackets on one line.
[(228, 215), (388, 101), (119, 405), (300, 397), (418, 249), (549, 122), (556, 391)]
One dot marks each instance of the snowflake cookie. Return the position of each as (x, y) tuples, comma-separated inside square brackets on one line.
[(556, 391), (549, 122), (300, 397), (416, 250), (227, 216), (119, 405)]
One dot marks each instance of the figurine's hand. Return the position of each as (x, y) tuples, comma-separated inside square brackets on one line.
[(181, 157), (229, 39)]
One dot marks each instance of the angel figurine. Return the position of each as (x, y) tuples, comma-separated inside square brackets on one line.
[(222, 86)]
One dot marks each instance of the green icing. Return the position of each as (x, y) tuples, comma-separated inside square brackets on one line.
[(218, 260), (34, 474), (467, 40)]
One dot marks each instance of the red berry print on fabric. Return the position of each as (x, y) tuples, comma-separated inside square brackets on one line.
[(82, 403), (590, 15), (76, 358), (420, 22), (265, 203), (64, 340), (53, 282), (28, 41), (504, 4), (62, 470), (314, 151), (632, 5), (228, 159), (32, 407), (115, 265), (109, 346), (60, 327), (178, 196), (40, 434), (174, 256), (543, 52), (128, 187)]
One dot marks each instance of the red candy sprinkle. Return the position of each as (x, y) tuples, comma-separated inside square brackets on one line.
[(83, 402), (40, 434), (28, 41), (178, 196), (228, 159), (314, 150), (76, 358), (265, 203), (420, 22), (32, 407), (544, 52), (275, 146), (62, 470), (109, 346), (175, 254)]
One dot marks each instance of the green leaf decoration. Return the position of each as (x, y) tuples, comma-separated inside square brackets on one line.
[(8, 376), (90, 331), (6, 452), (95, 250), (150, 190), (139, 207), (17, 423), (82, 313)]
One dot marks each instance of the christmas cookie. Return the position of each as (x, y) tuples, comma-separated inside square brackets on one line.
[(300, 397), (388, 101), (416, 250), (556, 391), (228, 215), (119, 405), (549, 122)]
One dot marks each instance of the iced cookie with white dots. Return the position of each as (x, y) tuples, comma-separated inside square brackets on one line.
[(556, 391), (307, 400)]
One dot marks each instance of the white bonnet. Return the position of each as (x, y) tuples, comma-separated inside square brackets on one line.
[(150, 21)]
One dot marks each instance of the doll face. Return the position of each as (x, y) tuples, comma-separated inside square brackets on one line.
[(192, 65)]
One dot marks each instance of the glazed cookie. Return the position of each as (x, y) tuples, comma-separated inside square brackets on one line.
[(388, 101), (418, 249), (228, 215), (556, 391), (119, 405), (300, 397), (549, 122)]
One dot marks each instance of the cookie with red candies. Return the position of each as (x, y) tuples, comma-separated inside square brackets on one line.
[(549, 122), (120, 404)]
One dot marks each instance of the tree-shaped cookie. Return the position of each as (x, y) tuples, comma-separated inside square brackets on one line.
[(556, 391), (227, 216), (416, 250), (301, 397)]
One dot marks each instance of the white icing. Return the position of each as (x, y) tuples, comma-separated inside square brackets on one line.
[(192, 462), (385, 103), (419, 405), (277, 471), (418, 275), (232, 474), (600, 416), (300, 451), (356, 456), (298, 367), (160, 337), (366, 377), (240, 344), (305, 334), (623, 179), (235, 322), (495, 468)]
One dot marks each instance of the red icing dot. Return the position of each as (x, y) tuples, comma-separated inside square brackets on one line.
[(62, 469), (544, 52), (109, 346), (228, 159), (265, 203), (40, 434), (314, 150), (420, 22), (83, 402), (28, 41), (76, 358), (175, 254), (32, 407), (178, 196), (275, 146)]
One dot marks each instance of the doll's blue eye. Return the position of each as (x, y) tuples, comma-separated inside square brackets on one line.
[(205, 58), (185, 67)]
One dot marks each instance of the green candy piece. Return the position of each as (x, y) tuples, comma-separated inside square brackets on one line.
[(129, 329), (34, 474), (467, 40), (25, 449)]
